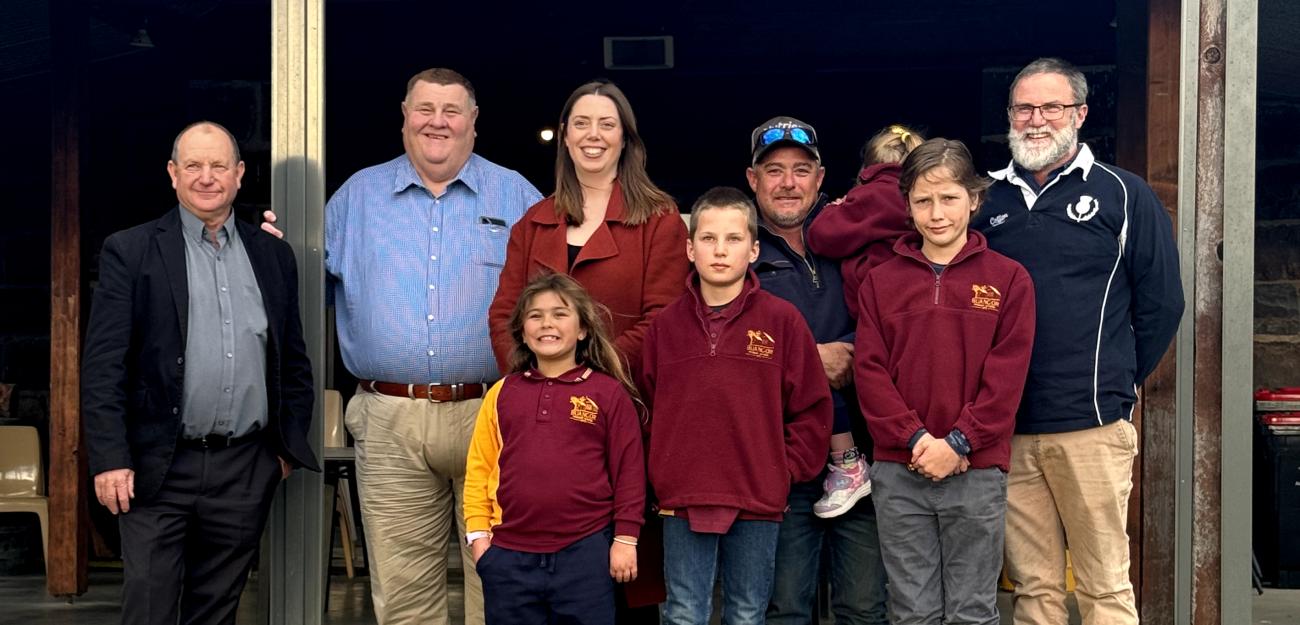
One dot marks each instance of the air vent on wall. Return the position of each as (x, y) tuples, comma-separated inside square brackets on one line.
[(639, 52)]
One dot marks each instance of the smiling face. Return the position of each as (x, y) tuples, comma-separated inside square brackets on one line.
[(593, 135), (438, 129), (205, 174), (785, 184), (941, 208), (1037, 144), (552, 331), (722, 247)]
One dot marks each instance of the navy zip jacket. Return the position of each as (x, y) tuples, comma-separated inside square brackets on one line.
[(814, 285), (1100, 249)]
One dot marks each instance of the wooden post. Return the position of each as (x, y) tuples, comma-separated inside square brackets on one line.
[(66, 568), (1131, 129), (1157, 510), (1207, 312)]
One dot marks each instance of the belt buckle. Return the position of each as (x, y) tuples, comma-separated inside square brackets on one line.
[(428, 393), (214, 441)]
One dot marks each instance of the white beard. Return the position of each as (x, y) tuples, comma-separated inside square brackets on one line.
[(1037, 159)]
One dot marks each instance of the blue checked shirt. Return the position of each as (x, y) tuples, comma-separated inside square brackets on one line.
[(413, 274)]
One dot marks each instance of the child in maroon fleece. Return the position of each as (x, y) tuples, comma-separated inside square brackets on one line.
[(555, 478), (739, 408), (860, 230), (943, 345)]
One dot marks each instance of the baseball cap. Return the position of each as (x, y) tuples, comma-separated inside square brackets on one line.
[(780, 131)]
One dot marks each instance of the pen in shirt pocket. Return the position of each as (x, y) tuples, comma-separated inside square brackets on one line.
[(495, 224)]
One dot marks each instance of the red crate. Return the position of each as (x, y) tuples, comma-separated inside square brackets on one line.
[(1285, 399)]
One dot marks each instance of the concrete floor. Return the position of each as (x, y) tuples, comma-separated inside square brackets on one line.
[(24, 602)]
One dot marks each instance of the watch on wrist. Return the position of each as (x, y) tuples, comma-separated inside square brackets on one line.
[(470, 537)]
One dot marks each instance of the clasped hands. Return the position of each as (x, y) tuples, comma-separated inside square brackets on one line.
[(934, 458)]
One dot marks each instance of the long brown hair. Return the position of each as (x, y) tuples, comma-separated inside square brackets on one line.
[(641, 198), (596, 351)]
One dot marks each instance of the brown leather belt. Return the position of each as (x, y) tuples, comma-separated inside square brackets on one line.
[(436, 393)]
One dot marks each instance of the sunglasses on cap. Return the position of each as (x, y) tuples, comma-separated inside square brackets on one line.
[(798, 135)]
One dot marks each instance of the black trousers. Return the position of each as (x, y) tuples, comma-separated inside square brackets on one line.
[(186, 552)]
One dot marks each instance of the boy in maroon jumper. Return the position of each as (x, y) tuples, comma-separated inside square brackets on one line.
[(943, 344), (740, 409)]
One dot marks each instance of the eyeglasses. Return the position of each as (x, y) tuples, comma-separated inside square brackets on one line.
[(798, 135), (1050, 112)]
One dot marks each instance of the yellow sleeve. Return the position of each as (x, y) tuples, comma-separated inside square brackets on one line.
[(482, 471)]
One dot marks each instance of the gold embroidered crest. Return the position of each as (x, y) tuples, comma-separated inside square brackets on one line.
[(584, 409), (761, 344), (986, 297)]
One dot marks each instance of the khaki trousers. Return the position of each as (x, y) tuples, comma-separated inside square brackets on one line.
[(411, 476), (1071, 488)]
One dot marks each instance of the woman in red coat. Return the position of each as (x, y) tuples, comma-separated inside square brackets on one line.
[(607, 225), (618, 235)]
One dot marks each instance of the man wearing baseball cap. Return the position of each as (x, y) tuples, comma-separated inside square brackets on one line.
[(786, 175)]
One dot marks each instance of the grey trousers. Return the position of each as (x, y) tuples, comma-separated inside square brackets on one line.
[(942, 543)]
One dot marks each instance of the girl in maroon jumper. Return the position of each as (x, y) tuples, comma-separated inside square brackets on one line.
[(555, 479), (860, 230)]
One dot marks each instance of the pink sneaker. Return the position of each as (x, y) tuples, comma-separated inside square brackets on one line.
[(844, 487)]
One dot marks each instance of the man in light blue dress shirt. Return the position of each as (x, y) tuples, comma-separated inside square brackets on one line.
[(413, 248)]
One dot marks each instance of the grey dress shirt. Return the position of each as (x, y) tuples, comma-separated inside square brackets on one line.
[(225, 345)]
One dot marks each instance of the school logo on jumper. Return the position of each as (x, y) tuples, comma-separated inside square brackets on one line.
[(1083, 210), (761, 344), (998, 220), (987, 297), (584, 409)]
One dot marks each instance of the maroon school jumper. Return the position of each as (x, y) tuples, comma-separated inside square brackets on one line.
[(570, 460), (740, 408), (944, 350)]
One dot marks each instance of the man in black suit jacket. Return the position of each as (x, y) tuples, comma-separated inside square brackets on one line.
[(196, 389)]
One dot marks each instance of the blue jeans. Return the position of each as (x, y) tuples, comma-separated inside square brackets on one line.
[(746, 555), (857, 573)]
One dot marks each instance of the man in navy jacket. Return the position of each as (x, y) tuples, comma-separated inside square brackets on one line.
[(1100, 249), (786, 176)]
